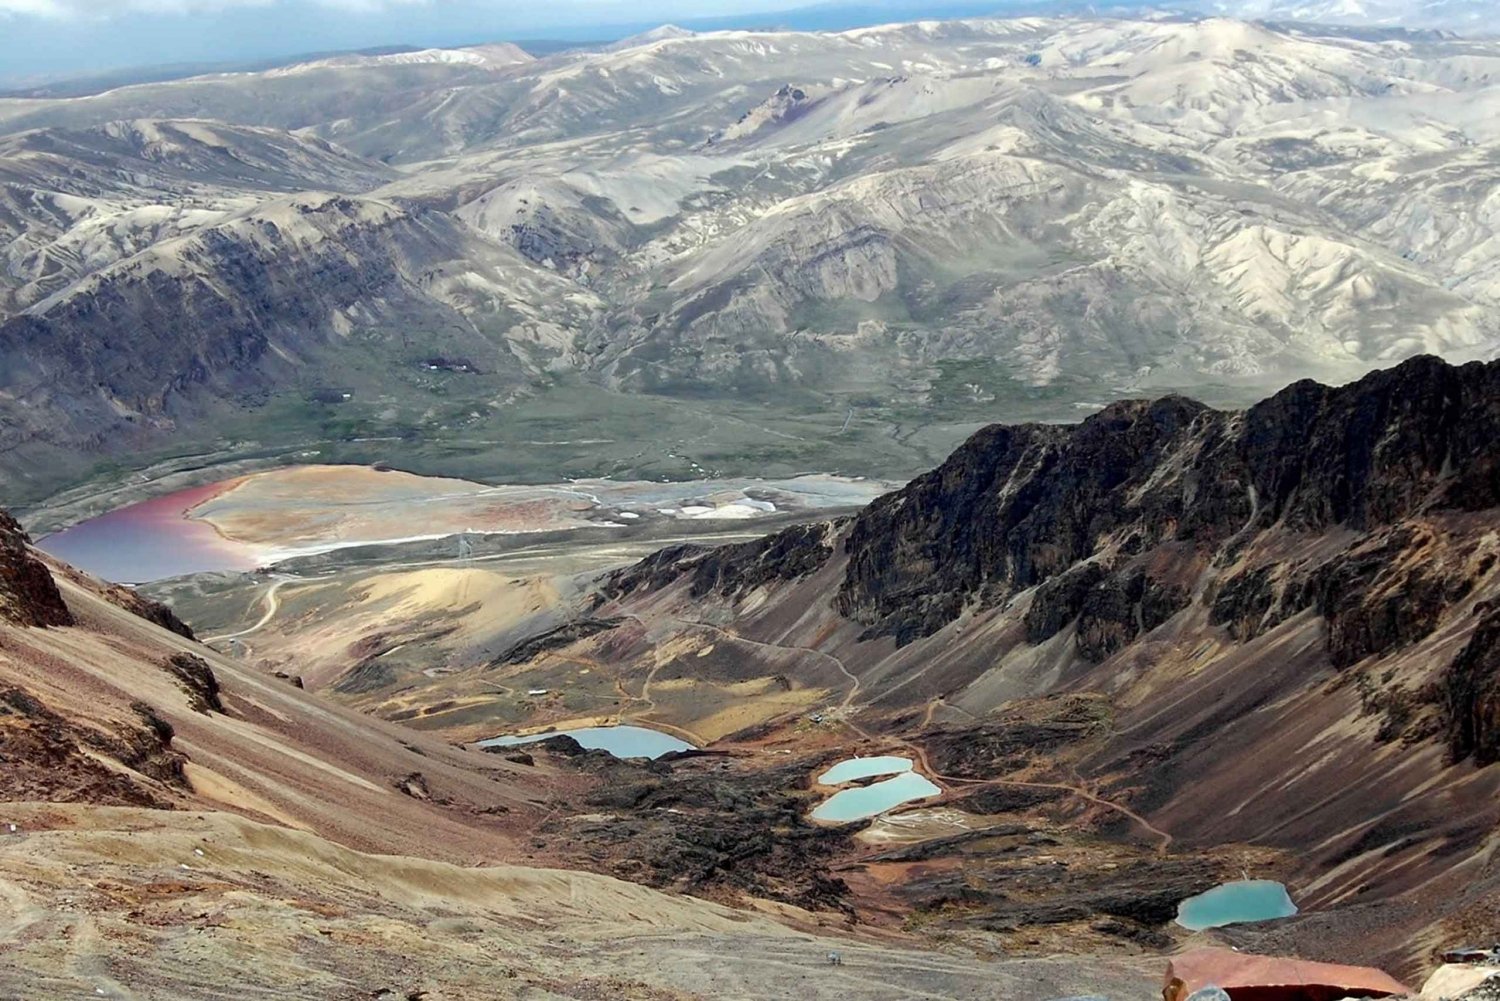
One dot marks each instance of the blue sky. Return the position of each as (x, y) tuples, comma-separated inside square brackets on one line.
[(51, 37)]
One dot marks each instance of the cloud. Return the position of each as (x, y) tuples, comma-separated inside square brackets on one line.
[(104, 9)]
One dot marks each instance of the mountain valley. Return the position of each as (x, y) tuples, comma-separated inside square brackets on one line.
[(887, 513), (1140, 655)]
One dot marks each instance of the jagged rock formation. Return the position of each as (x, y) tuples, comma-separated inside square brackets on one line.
[(1471, 694), (48, 757), (1019, 507), (552, 639), (152, 611), (28, 595), (196, 679), (730, 570), (1280, 621)]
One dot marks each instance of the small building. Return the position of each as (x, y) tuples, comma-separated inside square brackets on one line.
[(1246, 977)]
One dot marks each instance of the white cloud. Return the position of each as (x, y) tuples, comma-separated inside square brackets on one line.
[(115, 8)]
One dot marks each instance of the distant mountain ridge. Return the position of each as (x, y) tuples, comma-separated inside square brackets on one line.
[(904, 224)]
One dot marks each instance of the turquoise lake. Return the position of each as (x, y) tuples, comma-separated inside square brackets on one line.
[(876, 798), (621, 741), (862, 768), (1240, 902)]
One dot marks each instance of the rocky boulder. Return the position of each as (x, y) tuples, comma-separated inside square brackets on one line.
[(28, 594)]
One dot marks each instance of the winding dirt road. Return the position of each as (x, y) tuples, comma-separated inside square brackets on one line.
[(272, 602), (919, 753)]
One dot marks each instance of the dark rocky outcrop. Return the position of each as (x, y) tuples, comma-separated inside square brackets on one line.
[(152, 611), (1471, 695), (414, 784), (44, 756), (1015, 507), (28, 594), (1058, 601), (1387, 590), (785, 556), (1111, 608), (661, 568), (196, 678), (1419, 436), (554, 639), (730, 571)]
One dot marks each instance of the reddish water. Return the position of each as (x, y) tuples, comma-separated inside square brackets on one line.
[(150, 540)]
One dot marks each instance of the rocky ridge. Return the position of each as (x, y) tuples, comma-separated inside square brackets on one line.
[(1279, 622)]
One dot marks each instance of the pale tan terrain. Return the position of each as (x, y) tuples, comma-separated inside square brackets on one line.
[(134, 904), (316, 508), (306, 851)]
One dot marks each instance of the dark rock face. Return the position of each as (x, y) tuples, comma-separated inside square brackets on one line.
[(28, 594), (1387, 590), (736, 570), (731, 571), (1014, 507), (1058, 602), (152, 611), (553, 639), (1471, 695), (1415, 437), (197, 679), (661, 568), (1017, 507), (44, 756), (1111, 608), (1382, 595)]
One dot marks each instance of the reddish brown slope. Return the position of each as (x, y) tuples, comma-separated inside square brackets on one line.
[(113, 708)]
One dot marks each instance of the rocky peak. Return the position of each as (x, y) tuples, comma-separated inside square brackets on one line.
[(1015, 507), (1417, 436)]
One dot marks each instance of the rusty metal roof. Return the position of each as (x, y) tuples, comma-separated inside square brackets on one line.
[(1232, 970)]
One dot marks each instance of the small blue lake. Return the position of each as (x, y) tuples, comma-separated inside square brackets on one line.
[(862, 768), (621, 741), (876, 798), (1240, 902)]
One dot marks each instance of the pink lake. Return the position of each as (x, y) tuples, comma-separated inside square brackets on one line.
[(151, 540)]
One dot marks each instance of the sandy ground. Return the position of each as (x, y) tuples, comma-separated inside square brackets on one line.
[(133, 904), (312, 852), (310, 508)]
